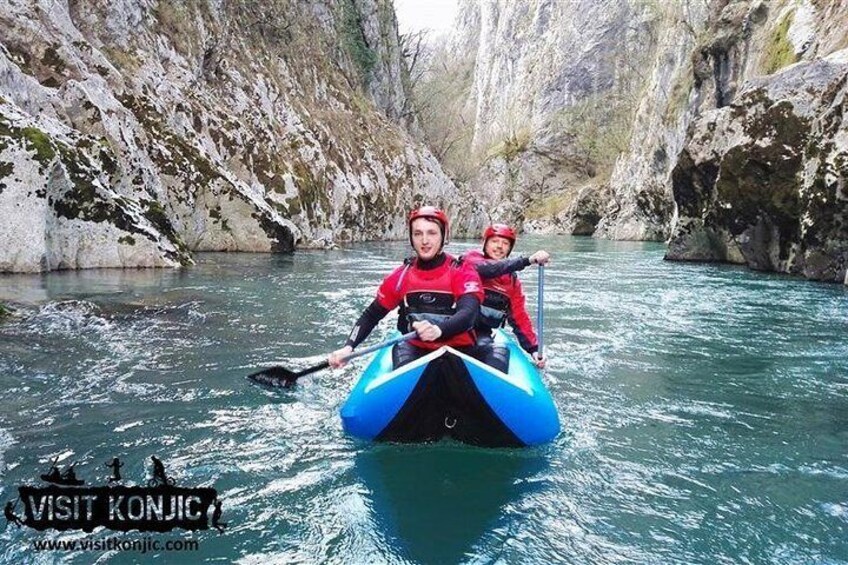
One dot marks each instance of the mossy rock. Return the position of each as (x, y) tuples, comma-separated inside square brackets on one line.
[(757, 179), (40, 141), (172, 154), (354, 42), (33, 139), (779, 51)]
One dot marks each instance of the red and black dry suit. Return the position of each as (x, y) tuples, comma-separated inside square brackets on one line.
[(504, 299), (442, 290)]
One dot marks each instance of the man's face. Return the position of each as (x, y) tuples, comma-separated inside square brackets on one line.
[(426, 238), (497, 247)]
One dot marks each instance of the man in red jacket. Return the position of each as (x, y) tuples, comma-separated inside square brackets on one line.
[(438, 296), (504, 298)]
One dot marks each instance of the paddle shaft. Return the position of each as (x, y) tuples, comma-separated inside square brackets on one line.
[(540, 312), (359, 353)]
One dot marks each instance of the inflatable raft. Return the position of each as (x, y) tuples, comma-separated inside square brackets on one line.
[(449, 394)]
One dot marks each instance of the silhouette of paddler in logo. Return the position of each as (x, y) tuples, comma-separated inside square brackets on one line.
[(68, 477), (9, 512), (115, 465), (216, 517)]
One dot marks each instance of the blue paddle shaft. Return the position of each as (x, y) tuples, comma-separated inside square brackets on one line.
[(540, 313), (387, 343), (281, 376)]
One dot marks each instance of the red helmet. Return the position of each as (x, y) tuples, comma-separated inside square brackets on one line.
[(431, 213), (501, 230)]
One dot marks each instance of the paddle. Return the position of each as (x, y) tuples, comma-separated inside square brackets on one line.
[(540, 313), (279, 376)]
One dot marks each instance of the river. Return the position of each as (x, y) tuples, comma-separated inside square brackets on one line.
[(704, 411)]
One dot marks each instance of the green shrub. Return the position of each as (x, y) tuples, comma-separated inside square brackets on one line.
[(40, 141), (549, 207), (353, 40), (511, 147)]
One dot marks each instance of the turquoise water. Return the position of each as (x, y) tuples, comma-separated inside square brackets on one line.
[(704, 410)]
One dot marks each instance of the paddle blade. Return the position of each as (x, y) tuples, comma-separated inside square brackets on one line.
[(277, 377)]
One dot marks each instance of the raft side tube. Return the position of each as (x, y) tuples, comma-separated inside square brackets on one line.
[(520, 399), (380, 393)]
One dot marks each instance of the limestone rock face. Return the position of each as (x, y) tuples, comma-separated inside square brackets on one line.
[(729, 43), (762, 181), (59, 211), (386, 82), (641, 204), (584, 213), (133, 132), (550, 81), (536, 59), (754, 160), (647, 108)]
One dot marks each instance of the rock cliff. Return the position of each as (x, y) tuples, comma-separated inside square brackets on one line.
[(134, 132), (717, 126), (761, 178), (762, 181), (550, 98), (641, 205)]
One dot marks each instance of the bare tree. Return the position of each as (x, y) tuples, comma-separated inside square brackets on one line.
[(414, 48)]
